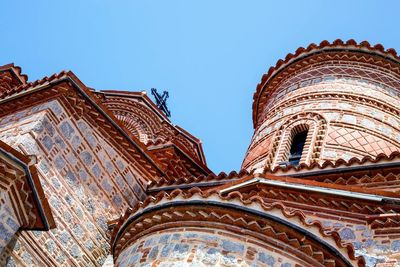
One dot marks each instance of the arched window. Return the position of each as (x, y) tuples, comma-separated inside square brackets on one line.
[(296, 148), (298, 140)]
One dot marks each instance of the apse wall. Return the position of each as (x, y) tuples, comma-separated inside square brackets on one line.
[(196, 247), (186, 229)]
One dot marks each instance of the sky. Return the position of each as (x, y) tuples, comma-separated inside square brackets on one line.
[(210, 55)]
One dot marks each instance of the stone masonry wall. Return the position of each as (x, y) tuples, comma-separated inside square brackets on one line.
[(8, 221), (86, 181), (375, 245), (199, 247)]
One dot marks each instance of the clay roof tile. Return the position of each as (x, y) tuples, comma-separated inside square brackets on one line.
[(289, 213), (335, 164)]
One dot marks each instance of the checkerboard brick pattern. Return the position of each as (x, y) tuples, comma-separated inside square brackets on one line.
[(85, 179)]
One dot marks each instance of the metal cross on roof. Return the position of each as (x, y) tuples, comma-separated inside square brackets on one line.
[(161, 101)]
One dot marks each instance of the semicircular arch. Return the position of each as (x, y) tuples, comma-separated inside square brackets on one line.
[(281, 230)]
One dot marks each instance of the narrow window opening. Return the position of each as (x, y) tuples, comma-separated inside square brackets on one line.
[(296, 148)]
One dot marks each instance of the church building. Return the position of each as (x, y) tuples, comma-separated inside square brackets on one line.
[(104, 178)]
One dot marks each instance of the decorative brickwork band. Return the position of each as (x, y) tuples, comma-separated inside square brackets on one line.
[(221, 217)]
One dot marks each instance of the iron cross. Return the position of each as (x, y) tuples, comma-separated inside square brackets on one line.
[(161, 101)]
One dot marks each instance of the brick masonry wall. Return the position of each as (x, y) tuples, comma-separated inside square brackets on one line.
[(376, 247), (8, 221), (361, 119), (198, 247), (86, 181)]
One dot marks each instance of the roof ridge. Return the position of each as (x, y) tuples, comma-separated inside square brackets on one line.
[(38, 82), (17, 70), (202, 178)]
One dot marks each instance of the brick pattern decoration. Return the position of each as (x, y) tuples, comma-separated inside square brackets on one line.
[(376, 77), (276, 234), (147, 123), (316, 126), (23, 205), (338, 52), (16, 195), (359, 141), (375, 246), (388, 180), (6, 81), (372, 228), (95, 155), (361, 120), (201, 247), (377, 240), (86, 180), (10, 77), (81, 103), (175, 163), (258, 153), (9, 223), (136, 117), (140, 116)]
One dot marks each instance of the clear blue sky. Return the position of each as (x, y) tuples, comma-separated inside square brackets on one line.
[(209, 55)]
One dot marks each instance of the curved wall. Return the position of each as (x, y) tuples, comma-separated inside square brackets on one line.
[(351, 109), (197, 247), (185, 230)]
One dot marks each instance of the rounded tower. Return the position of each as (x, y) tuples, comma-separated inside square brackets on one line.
[(326, 102)]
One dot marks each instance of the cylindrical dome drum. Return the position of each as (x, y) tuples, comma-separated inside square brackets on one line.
[(327, 102)]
